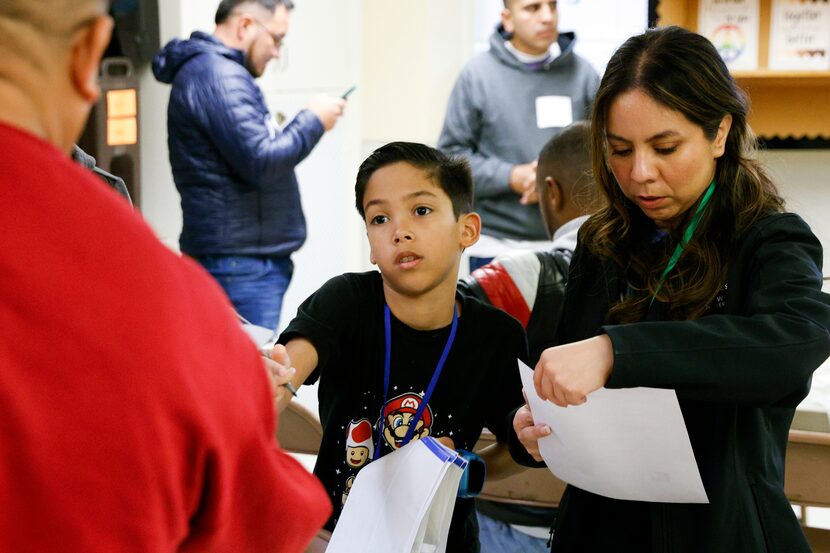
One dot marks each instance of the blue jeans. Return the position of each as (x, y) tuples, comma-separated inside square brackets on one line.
[(498, 537), (476, 262), (254, 284)]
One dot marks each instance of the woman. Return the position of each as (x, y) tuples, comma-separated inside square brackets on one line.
[(693, 278)]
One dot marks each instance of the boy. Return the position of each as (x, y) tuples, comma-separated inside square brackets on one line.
[(377, 340)]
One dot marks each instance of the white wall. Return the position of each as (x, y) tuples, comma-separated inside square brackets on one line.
[(412, 53), (802, 177)]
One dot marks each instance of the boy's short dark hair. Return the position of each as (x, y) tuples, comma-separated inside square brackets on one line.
[(451, 174)]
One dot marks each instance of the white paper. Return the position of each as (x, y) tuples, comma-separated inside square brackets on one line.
[(733, 29), (553, 111), (625, 444), (402, 502), (600, 26), (259, 335), (818, 400), (800, 35)]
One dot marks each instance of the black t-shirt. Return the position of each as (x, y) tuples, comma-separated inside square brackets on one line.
[(479, 385)]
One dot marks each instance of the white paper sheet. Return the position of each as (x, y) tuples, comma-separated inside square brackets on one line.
[(402, 502), (800, 35), (733, 29), (624, 444), (259, 335)]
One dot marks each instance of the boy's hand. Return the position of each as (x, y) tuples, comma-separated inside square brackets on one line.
[(447, 441), (528, 432), (566, 374), (279, 370)]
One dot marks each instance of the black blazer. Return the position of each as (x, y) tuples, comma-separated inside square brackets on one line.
[(739, 372)]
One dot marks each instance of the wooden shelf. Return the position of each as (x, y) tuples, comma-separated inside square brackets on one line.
[(784, 103), (784, 78)]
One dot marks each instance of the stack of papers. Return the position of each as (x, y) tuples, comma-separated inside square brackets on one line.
[(402, 502)]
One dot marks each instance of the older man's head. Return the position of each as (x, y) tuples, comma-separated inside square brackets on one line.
[(49, 56)]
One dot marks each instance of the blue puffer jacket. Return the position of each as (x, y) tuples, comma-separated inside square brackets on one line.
[(232, 166)]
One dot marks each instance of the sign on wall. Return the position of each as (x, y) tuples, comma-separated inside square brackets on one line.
[(732, 26)]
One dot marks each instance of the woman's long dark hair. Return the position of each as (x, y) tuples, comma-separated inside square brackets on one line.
[(684, 72)]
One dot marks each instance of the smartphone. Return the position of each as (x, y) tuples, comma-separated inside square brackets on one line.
[(345, 95)]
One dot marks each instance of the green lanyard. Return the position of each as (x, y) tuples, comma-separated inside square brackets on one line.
[(687, 236)]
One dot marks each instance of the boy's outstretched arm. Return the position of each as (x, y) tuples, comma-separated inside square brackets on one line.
[(499, 463), (300, 354)]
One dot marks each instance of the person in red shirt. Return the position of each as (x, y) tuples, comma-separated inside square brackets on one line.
[(136, 415)]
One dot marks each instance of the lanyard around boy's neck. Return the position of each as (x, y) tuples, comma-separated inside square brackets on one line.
[(387, 369), (687, 236)]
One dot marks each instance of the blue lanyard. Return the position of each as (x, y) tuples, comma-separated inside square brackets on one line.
[(387, 369), (687, 236)]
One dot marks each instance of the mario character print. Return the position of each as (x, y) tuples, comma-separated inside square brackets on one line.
[(359, 445), (399, 415)]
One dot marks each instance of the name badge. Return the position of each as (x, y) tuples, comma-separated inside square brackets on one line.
[(553, 111)]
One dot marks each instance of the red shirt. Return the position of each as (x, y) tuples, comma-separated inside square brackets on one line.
[(135, 415)]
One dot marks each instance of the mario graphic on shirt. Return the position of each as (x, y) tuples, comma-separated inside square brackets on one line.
[(359, 444), (399, 415)]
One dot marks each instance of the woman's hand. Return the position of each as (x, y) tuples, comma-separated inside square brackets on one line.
[(528, 432), (566, 374)]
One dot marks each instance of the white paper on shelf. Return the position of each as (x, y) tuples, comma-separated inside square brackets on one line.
[(799, 35), (625, 444), (733, 29)]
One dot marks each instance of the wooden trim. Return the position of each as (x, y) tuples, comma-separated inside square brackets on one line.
[(784, 103)]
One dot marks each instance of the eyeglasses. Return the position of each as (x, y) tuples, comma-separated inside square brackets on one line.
[(277, 39)]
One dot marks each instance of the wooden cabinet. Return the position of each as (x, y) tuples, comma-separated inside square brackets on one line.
[(784, 103)]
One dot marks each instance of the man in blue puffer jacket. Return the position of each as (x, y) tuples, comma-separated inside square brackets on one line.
[(232, 165)]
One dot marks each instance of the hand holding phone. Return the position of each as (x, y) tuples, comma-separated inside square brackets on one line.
[(327, 108)]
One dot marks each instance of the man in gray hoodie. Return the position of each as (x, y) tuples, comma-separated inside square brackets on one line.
[(506, 104)]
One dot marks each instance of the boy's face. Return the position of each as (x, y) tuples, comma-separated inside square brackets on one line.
[(414, 237)]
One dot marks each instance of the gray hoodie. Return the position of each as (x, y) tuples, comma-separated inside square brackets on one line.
[(491, 121)]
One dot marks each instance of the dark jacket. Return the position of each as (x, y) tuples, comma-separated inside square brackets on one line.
[(739, 372), (116, 183), (232, 166), (506, 282)]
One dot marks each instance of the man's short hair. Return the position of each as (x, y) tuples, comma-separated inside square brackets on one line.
[(223, 12), (26, 25), (567, 158), (451, 174), (51, 16)]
